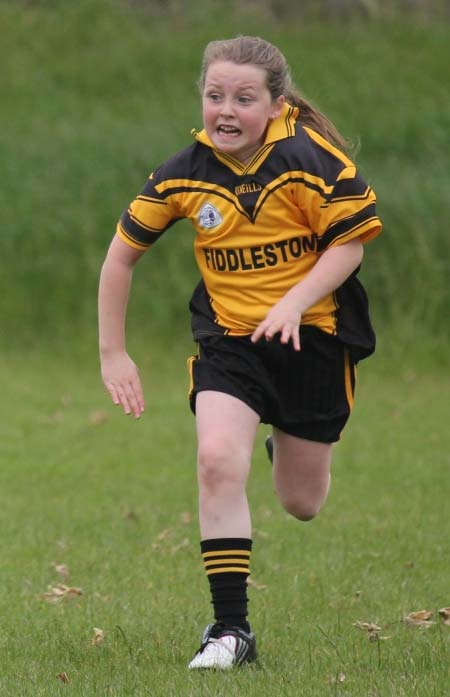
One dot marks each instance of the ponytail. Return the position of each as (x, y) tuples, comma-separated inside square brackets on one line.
[(314, 119)]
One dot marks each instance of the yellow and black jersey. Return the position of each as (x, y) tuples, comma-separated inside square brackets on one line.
[(260, 227)]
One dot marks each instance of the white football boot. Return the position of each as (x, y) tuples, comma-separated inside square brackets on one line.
[(224, 647)]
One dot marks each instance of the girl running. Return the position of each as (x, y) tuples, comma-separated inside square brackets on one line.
[(281, 215)]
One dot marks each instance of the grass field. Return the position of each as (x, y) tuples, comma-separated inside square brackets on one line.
[(114, 501), (96, 93)]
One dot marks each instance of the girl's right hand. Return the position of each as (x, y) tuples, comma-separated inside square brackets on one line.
[(121, 378)]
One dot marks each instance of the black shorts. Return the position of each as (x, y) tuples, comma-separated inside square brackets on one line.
[(307, 393)]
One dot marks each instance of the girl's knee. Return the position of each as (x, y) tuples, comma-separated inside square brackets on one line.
[(304, 499), (303, 511), (219, 466), (305, 505)]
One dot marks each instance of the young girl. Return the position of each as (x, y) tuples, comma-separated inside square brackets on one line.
[(281, 215)]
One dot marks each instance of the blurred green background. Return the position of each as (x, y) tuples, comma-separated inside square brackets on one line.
[(93, 95), (96, 93)]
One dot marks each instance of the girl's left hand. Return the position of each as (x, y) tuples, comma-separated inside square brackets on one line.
[(284, 319)]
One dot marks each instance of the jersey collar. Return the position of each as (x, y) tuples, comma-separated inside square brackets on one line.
[(281, 127)]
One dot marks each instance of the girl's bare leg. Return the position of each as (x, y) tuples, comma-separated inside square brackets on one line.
[(301, 472), (226, 429)]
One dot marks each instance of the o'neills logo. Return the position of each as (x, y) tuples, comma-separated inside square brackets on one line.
[(209, 216), (247, 188), (259, 257)]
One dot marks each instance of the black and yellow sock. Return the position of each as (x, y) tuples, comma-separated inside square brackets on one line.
[(227, 567)]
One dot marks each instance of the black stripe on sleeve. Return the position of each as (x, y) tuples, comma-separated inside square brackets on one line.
[(137, 232), (342, 227), (354, 188)]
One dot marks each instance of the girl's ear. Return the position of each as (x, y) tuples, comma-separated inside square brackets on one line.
[(277, 106)]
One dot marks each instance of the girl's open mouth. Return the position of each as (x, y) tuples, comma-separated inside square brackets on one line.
[(228, 130)]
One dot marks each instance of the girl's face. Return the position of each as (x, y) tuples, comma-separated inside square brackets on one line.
[(237, 107)]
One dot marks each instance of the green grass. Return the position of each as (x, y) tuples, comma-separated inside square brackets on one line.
[(115, 500), (95, 95)]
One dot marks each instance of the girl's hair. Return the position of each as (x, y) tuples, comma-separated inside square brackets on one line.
[(256, 51)]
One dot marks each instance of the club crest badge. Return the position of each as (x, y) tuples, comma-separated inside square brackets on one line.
[(209, 217)]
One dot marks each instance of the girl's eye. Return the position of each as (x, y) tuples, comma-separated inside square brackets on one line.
[(214, 97)]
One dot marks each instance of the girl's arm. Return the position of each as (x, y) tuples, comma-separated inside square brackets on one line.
[(119, 373), (333, 267)]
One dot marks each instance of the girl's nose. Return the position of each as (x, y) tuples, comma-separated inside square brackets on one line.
[(227, 108)]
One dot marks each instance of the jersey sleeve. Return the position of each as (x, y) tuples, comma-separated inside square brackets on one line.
[(339, 204), (348, 211), (148, 216)]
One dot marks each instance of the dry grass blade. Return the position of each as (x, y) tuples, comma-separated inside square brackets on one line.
[(63, 677), (164, 534), (420, 618), (99, 636), (444, 614), (60, 592), (373, 630), (62, 570), (367, 626), (176, 548), (254, 584), (340, 678), (98, 417)]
